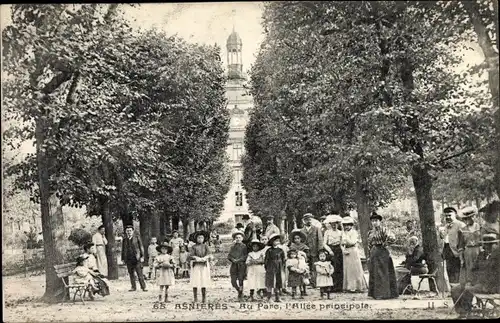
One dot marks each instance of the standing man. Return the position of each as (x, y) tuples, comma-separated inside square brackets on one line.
[(133, 256), (271, 228), (314, 240), (449, 234), (99, 240)]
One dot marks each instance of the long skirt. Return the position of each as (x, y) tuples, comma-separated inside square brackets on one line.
[(382, 282), (200, 275), (102, 285), (102, 260), (354, 278), (470, 256), (256, 277), (337, 260), (295, 279), (166, 277)]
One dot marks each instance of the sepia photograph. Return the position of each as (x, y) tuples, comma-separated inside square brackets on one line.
[(225, 161)]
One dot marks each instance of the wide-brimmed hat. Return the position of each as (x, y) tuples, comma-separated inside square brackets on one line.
[(468, 212), (307, 215), (164, 245), (375, 215), (489, 238), (193, 236), (272, 238), (347, 220), (299, 233), (235, 233), (257, 242), (332, 218), (322, 218), (269, 217)]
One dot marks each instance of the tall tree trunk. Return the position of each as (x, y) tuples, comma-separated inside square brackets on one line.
[(363, 208), (185, 228), (54, 288), (175, 223), (491, 57), (422, 182), (145, 231), (155, 224), (111, 248)]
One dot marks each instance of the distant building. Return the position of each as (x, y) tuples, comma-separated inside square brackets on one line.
[(239, 104)]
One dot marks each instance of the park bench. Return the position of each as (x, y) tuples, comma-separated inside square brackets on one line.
[(64, 271), (482, 302)]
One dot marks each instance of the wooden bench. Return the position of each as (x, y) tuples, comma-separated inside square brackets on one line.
[(483, 300), (64, 271)]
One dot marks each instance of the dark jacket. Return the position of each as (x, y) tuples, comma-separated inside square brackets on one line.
[(487, 271), (416, 258), (238, 253), (136, 245)]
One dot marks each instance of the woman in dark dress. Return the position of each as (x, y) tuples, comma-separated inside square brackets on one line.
[(382, 282)]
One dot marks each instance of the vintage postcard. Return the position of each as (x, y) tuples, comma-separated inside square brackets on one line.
[(250, 160)]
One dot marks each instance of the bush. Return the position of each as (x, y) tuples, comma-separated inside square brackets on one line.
[(80, 237), (224, 227)]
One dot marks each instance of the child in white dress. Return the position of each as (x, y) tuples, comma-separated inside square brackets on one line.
[(165, 263), (324, 271), (256, 273)]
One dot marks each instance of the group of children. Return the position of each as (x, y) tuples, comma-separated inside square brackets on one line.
[(272, 266), (166, 260), (178, 251)]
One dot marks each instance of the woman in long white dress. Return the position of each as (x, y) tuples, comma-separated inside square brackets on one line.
[(99, 240), (354, 278)]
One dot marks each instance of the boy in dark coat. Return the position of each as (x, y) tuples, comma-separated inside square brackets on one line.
[(274, 262), (238, 256)]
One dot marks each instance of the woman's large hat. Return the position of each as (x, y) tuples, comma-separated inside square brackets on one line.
[(332, 218), (257, 242), (272, 238), (489, 238), (164, 245), (347, 220), (375, 215), (193, 236), (297, 232), (235, 233), (468, 212)]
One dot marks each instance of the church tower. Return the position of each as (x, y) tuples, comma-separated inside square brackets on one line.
[(234, 58)]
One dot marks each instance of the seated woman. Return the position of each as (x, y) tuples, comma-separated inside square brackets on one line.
[(100, 283), (415, 262)]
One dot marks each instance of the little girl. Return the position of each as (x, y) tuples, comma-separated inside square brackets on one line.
[(295, 273), (183, 261), (324, 271), (200, 258), (165, 263), (256, 274), (82, 275)]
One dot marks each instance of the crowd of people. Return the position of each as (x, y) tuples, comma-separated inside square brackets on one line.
[(471, 253), (265, 262)]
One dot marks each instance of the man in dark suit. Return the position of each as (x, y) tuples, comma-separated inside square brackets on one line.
[(133, 256), (314, 240)]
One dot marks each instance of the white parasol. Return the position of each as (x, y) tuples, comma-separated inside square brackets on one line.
[(316, 223)]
